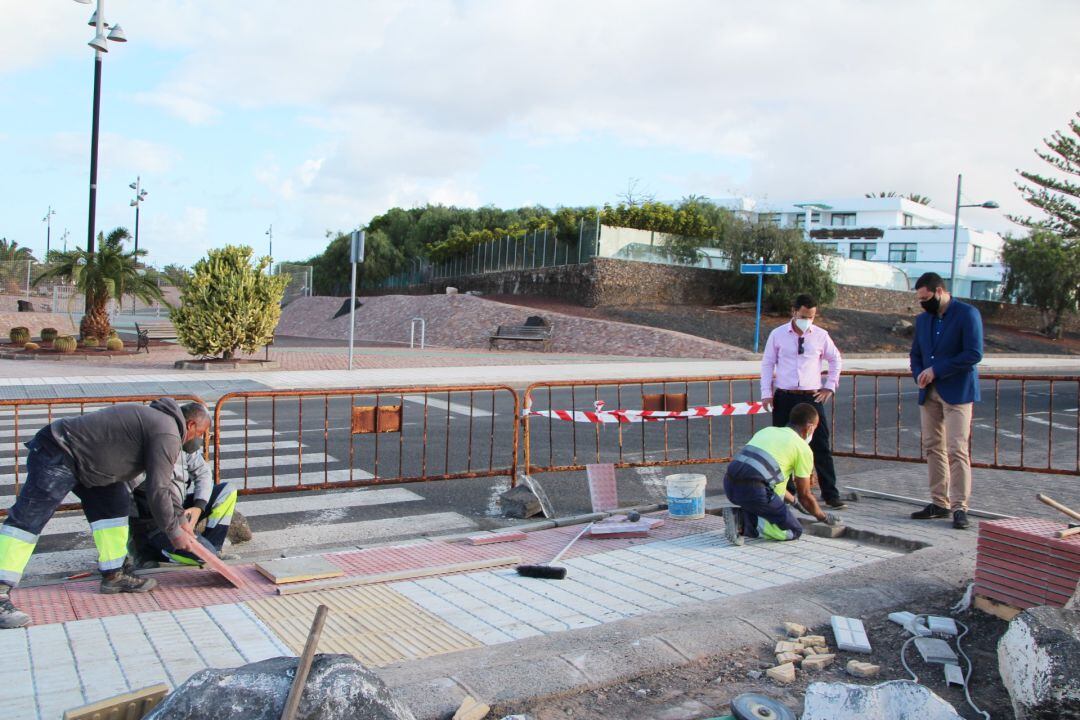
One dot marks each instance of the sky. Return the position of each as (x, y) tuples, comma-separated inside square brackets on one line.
[(314, 117)]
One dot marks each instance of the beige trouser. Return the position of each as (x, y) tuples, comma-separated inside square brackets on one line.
[(946, 429)]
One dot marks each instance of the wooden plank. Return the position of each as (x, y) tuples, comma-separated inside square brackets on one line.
[(399, 575), (129, 706), (496, 538), (298, 569), (997, 609), (214, 563)]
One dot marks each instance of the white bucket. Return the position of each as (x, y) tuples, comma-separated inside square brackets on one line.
[(686, 496)]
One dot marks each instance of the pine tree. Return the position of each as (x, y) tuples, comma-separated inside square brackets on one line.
[(1058, 197), (229, 304)]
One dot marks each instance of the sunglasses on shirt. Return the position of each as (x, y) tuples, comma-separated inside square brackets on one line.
[(801, 341)]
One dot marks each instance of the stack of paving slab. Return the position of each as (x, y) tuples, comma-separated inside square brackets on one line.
[(1020, 562)]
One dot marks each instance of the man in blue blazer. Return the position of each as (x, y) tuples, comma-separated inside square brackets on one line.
[(945, 353)]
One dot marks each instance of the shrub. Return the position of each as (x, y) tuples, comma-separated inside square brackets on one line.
[(19, 335), (65, 344), (114, 343), (49, 334), (91, 342), (229, 304), (31, 346)]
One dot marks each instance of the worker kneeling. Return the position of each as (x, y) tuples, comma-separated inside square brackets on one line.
[(757, 481), (98, 457), (195, 495)]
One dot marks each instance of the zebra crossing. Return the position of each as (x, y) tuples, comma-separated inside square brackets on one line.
[(255, 455)]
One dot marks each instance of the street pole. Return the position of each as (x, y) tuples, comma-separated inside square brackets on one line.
[(757, 320), (95, 126), (352, 315), (955, 232), (48, 231)]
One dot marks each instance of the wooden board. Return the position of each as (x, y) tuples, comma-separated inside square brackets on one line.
[(214, 563), (298, 569), (130, 706), (497, 538), (399, 575), (997, 609)]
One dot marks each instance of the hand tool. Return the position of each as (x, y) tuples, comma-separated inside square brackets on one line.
[(1073, 529), (550, 571)]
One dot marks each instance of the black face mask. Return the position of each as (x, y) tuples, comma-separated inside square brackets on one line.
[(192, 445), (932, 305)]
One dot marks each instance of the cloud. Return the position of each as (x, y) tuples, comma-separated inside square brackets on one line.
[(125, 155)]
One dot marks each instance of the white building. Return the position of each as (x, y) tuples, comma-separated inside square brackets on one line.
[(913, 237)]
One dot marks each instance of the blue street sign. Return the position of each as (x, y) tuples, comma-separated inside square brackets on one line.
[(761, 269)]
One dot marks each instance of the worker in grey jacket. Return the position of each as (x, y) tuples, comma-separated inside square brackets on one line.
[(197, 497), (98, 457)]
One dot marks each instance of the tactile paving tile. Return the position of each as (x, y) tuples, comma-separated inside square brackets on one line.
[(1019, 561), (373, 623), (45, 604), (1035, 530), (182, 589), (603, 491), (88, 602)]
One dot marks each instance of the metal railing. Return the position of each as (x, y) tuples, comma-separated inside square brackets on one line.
[(287, 440), (21, 419)]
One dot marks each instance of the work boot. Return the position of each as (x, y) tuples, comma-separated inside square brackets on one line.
[(960, 520), (10, 617), (119, 581), (930, 512), (732, 521), (836, 504)]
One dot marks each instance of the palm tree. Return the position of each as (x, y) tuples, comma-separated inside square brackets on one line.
[(13, 261), (110, 273)]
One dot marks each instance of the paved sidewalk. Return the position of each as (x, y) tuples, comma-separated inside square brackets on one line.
[(628, 607)]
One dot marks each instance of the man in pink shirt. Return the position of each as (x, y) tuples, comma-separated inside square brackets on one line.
[(791, 368)]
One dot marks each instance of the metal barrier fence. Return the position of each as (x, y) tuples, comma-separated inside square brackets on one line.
[(287, 440), (21, 419), (1024, 422)]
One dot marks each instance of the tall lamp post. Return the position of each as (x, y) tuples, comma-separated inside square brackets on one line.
[(101, 45), (48, 230), (140, 195), (990, 204), (270, 234)]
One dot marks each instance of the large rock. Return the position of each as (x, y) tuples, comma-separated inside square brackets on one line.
[(1039, 662), (895, 700), (338, 688)]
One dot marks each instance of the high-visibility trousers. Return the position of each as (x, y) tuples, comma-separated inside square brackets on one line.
[(219, 513), (50, 477)]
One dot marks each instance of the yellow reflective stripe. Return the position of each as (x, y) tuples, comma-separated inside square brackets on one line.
[(181, 560), (14, 554), (770, 531), (222, 513), (111, 543)]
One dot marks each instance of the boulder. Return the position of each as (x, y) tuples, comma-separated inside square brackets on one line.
[(520, 502), (903, 328), (1039, 663), (895, 700), (862, 669), (338, 688)]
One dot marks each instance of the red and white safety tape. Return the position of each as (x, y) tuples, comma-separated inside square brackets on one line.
[(599, 415)]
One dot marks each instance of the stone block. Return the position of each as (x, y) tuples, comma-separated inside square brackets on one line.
[(1039, 663), (935, 650), (818, 662), (942, 625), (909, 622), (897, 700), (850, 634), (794, 630), (519, 502), (862, 669), (785, 647), (783, 674), (814, 640), (788, 657)]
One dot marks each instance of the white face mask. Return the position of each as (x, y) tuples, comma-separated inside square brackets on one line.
[(803, 323)]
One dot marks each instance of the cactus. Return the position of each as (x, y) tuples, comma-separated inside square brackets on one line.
[(19, 335), (65, 344), (31, 346), (90, 342), (114, 344), (49, 334)]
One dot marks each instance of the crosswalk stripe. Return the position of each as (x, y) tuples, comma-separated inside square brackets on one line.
[(285, 480), (75, 522), (280, 460), (278, 446), (353, 533), (458, 408)]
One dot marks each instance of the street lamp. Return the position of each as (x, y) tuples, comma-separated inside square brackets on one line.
[(270, 234), (48, 230), (990, 204), (100, 45), (140, 195)]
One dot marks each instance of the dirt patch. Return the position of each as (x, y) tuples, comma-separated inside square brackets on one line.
[(854, 331), (704, 689)]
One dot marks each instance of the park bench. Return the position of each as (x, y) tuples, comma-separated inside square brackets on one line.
[(147, 331), (535, 329)]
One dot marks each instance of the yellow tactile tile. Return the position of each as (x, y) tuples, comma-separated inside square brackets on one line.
[(374, 624)]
